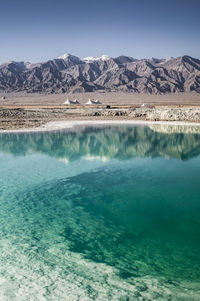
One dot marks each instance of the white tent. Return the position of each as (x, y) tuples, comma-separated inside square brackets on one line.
[(93, 102), (68, 102), (89, 102), (75, 102), (97, 102), (71, 102)]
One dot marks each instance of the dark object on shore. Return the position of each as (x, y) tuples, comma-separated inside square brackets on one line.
[(108, 107), (96, 114)]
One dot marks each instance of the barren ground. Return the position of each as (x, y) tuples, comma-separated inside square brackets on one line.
[(22, 110), (106, 99)]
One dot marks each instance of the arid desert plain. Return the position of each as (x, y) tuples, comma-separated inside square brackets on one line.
[(22, 110)]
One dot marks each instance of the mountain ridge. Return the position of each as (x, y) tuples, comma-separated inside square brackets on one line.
[(69, 73)]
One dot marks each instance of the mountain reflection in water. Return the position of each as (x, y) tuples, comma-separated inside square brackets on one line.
[(119, 142)]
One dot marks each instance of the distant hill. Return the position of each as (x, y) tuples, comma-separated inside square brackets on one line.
[(69, 73)]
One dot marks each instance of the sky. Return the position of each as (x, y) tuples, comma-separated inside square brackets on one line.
[(39, 30)]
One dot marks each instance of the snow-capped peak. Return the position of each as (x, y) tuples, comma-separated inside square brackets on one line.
[(64, 56), (93, 58), (70, 56)]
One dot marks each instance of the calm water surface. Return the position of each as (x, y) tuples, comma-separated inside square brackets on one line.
[(100, 214)]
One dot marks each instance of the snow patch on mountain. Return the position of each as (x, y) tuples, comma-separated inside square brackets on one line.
[(66, 56), (89, 59)]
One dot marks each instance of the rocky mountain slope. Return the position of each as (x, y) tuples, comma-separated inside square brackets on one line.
[(69, 73)]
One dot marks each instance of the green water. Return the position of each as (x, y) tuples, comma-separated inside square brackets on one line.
[(100, 214)]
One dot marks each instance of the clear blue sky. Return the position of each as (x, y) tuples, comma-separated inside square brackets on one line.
[(43, 29)]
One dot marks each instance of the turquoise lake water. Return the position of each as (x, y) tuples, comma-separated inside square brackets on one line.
[(100, 213)]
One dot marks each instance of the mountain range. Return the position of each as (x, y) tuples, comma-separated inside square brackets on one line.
[(69, 73)]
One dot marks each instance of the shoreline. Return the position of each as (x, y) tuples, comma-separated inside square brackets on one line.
[(54, 126), (37, 119)]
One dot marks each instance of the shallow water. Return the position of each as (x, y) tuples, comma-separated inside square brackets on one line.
[(100, 214)]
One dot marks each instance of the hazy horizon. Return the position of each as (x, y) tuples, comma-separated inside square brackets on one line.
[(41, 30)]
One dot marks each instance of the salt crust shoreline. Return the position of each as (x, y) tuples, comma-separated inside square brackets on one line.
[(69, 125)]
